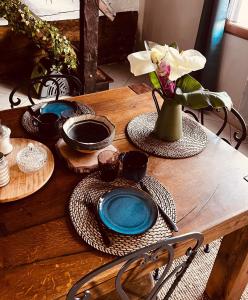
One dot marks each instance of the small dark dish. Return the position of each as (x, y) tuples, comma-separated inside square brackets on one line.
[(127, 211), (88, 133)]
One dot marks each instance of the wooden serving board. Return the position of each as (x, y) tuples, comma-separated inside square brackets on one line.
[(78, 162), (24, 184)]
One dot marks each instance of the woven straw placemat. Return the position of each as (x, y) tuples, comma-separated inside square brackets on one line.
[(86, 225), (27, 120), (139, 131)]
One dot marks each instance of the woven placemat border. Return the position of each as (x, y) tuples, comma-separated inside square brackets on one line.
[(86, 225), (31, 129), (154, 151)]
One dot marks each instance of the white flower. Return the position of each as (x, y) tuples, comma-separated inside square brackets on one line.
[(158, 53), (180, 63), (184, 62), (141, 63)]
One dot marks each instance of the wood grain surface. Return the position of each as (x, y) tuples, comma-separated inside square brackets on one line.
[(78, 162), (41, 255), (23, 184), (88, 45), (225, 284)]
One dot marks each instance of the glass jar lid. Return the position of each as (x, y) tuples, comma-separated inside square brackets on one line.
[(4, 131), (31, 158)]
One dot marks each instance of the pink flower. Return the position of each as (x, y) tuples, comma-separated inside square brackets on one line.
[(163, 72), (171, 86), (168, 87), (163, 69)]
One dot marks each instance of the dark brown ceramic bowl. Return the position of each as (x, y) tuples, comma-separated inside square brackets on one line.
[(88, 133)]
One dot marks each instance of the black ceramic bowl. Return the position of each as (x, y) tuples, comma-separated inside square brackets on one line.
[(88, 133)]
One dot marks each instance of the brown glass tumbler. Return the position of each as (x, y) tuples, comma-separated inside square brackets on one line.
[(108, 162)]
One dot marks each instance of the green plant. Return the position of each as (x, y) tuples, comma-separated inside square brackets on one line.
[(45, 36), (168, 69)]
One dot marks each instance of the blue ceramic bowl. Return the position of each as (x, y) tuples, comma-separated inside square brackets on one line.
[(88, 133), (127, 211)]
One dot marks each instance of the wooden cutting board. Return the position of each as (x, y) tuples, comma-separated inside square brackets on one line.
[(78, 162), (24, 184)]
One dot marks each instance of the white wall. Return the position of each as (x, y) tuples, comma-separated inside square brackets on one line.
[(234, 68), (139, 37), (165, 21)]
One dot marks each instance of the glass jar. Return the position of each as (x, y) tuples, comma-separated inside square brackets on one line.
[(4, 171), (31, 158)]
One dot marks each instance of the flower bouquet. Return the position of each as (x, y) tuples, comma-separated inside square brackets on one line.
[(169, 70)]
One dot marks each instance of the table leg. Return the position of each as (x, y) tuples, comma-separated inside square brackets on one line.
[(229, 275)]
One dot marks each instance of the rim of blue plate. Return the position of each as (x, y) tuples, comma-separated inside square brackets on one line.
[(144, 195), (71, 104)]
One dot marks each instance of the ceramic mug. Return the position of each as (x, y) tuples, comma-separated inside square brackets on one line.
[(48, 124), (134, 165)]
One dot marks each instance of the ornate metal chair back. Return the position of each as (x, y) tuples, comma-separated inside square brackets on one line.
[(53, 85), (239, 136), (163, 251)]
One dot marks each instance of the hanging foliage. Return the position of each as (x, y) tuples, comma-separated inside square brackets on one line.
[(46, 36)]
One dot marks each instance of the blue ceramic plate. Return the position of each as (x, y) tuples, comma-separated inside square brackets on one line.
[(57, 107), (127, 211)]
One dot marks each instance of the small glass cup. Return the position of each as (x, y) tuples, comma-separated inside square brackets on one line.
[(109, 163)]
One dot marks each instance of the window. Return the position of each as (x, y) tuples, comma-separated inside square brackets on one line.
[(238, 12), (237, 23)]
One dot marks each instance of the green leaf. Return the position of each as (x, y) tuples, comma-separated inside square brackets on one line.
[(174, 45), (203, 98), (154, 80), (188, 84)]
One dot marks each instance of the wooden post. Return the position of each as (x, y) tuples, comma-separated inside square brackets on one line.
[(229, 276), (89, 19)]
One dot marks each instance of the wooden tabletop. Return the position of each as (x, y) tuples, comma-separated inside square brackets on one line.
[(41, 255), (23, 184)]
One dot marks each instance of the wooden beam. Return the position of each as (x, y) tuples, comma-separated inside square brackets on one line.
[(229, 276), (89, 19), (107, 10)]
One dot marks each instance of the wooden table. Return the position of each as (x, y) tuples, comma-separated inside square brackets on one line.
[(42, 256)]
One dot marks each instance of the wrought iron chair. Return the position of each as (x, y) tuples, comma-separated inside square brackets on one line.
[(53, 85), (136, 262), (239, 135)]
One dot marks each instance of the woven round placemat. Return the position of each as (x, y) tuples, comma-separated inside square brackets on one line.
[(27, 120), (86, 225), (139, 131)]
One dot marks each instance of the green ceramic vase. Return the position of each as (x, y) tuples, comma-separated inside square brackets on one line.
[(168, 126)]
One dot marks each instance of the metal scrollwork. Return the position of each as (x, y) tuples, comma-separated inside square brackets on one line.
[(239, 136), (14, 103), (191, 113), (138, 259), (74, 82)]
